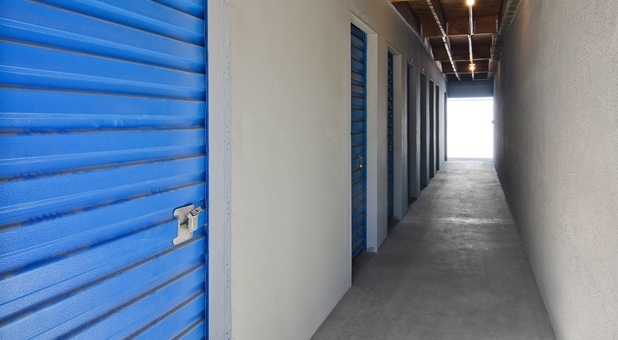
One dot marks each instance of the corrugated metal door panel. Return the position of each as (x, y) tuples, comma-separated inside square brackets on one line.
[(89, 35), (391, 138), (424, 128), (64, 111), (359, 139), (102, 116), (437, 114), (193, 7), (432, 130)]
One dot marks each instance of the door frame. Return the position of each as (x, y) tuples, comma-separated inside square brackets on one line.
[(219, 302), (444, 130), (377, 224), (431, 122), (424, 129), (363, 156), (414, 132), (390, 139), (401, 148), (438, 132)]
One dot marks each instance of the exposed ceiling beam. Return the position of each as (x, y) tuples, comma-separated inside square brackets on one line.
[(408, 14), (472, 64), (461, 53), (455, 39), (510, 9), (479, 75), (482, 66), (470, 33), (436, 10), (460, 26), (467, 77)]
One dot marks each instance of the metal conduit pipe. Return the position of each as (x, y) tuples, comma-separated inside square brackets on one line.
[(471, 22), (447, 46), (510, 9)]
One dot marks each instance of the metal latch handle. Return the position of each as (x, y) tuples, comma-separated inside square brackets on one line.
[(187, 217)]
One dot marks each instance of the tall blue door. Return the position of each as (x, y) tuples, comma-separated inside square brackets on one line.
[(359, 140), (391, 138), (102, 139), (424, 134), (432, 131)]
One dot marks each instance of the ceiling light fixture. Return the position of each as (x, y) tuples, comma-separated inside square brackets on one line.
[(470, 34)]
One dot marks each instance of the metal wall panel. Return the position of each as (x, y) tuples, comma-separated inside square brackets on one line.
[(102, 135), (359, 139)]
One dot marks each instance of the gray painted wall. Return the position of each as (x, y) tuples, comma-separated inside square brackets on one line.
[(556, 121), (290, 154)]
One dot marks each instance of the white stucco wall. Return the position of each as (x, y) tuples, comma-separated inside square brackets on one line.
[(556, 149), (290, 197)]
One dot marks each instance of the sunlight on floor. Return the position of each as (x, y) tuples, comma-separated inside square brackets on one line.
[(470, 129)]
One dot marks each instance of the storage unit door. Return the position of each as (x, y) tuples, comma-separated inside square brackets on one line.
[(102, 118), (438, 131), (432, 131), (424, 135), (391, 138), (359, 140)]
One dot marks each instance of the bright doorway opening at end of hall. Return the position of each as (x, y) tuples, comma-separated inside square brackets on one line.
[(470, 130)]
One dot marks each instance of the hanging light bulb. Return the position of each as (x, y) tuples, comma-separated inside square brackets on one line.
[(470, 3), (472, 67)]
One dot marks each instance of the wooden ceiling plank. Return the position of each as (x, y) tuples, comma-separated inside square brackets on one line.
[(459, 52), (508, 13), (436, 10), (482, 66), (429, 28), (486, 24), (446, 25), (458, 8), (460, 26), (408, 14), (482, 25)]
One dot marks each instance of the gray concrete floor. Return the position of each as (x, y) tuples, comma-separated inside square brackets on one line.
[(454, 268)]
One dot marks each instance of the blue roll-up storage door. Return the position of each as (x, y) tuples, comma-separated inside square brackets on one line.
[(438, 134), (432, 131), (424, 135), (102, 118), (359, 140), (391, 138)]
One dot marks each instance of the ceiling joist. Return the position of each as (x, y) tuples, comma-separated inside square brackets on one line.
[(461, 54), (460, 26), (472, 66), (436, 10), (508, 13), (482, 66), (460, 37)]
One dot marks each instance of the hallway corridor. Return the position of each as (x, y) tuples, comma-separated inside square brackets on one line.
[(454, 268)]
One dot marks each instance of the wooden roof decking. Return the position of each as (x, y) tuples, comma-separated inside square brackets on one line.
[(445, 24)]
